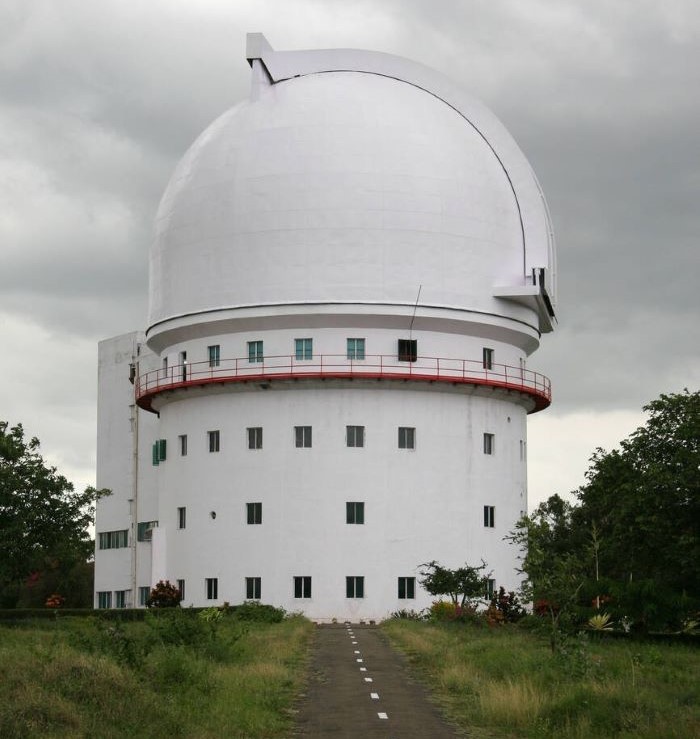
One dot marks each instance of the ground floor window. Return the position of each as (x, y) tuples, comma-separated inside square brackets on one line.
[(181, 588), (212, 587), (490, 588), (253, 588), (144, 594), (121, 598), (407, 588), (354, 587), (104, 599), (302, 587)]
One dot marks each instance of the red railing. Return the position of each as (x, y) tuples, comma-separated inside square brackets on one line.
[(338, 366)]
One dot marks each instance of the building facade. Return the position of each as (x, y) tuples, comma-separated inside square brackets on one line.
[(349, 273)]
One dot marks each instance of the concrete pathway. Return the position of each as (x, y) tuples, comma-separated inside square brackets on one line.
[(359, 687)]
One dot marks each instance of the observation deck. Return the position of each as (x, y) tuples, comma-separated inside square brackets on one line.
[(536, 386)]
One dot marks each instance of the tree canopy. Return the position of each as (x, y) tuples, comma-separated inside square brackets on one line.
[(632, 536), (43, 521), (462, 584)]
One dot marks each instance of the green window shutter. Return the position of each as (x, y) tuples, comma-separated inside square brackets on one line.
[(156, 454), (162, 450)]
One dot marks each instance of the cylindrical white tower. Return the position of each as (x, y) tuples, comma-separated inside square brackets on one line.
[(349, 273)]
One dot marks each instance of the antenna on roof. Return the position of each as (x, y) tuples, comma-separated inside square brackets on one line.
[(413, 317)]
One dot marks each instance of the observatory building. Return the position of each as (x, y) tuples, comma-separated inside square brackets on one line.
[(349, 273)]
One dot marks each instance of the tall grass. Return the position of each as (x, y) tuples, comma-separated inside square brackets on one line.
[(505, 682), (60, 680)]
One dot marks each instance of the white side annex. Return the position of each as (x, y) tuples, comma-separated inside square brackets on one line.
[(349, 272)]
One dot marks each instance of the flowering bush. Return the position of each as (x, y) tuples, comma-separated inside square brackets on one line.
[(55, 600)]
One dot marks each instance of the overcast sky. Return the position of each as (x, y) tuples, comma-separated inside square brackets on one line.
[(99, 100)]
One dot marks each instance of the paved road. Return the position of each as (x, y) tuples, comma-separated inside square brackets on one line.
[(359, 687)]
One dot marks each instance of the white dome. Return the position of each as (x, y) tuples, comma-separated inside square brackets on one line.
[(342, 187)]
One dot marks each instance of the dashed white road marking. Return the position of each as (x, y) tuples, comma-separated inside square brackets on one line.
[(363, 669), (368, 679), (382, 715), (354, 642), (359, 659), (374, 696), (357, 651)]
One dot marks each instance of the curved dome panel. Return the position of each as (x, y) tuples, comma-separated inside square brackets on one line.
[(338, 187)]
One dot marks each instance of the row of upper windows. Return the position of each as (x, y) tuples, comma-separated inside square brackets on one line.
[(303, 435), (304, 351)]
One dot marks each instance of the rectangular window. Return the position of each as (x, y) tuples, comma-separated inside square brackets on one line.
[(255, 437), (355, 435), (302, 587), (181, 588), (407, 588), (183, 444), (144, 530), (121, 598), (254, 512), (104, 599), (487, 358), (302, 436), (165, 366), (304, 348), (182, 518), (489, 516), (255, 351), (354, 587), (354, 512), (253, 588), (489, 443), (408, 350), (144, 595), (356, 349), (214, 441), (214, 355), (212, 587), (490, 584), (183, 366), (114, 539), (407, 437)]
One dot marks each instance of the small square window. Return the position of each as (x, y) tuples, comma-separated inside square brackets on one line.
[(303, 349), (255, 437), (407, 437), (489, 516), (214, 441), (489, 443), (354, 587), (182, 518), (302, 436), (487, 358), (355, 435), (254, 513), (407, 588), (355, 512), (408, 350), (212, 587), (255, 351), (214, 355), (181, 588), (253, 588), (144, 595), (356, 348), (302, 587), (183, 444)]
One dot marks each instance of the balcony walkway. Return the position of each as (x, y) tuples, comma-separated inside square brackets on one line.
[(372, 367)]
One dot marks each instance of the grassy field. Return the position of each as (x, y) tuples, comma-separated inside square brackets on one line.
[(82, 678), (505, 682)]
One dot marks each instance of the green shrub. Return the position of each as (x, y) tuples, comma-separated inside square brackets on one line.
[(251, 610)]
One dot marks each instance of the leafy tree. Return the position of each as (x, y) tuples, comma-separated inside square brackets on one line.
[(43, 521), (164, 595), (463, 584)]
